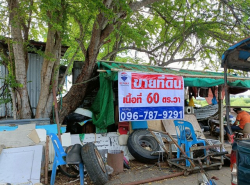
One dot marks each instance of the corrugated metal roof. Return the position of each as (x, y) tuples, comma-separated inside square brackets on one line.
[(35, 45), (34, 79)]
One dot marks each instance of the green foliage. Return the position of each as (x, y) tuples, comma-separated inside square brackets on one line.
[(162, 31), (240, 102), (202, 103), (247, 100)]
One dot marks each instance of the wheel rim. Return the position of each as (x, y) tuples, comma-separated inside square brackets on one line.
[(147, 143), (100, 161)]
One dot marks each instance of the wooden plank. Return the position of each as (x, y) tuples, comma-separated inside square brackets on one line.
[(130, 127), (155, 124), (170, 128)]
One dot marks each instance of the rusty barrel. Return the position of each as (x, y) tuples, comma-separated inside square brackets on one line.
[(115, 160)]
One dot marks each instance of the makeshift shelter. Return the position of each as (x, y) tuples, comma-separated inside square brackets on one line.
[(103, 108), (235, 57)]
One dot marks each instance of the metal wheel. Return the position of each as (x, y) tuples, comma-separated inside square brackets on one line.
[(100, 161)]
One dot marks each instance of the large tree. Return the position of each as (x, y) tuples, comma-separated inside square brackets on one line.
[(110, 14), (165, 31), (19, 34)]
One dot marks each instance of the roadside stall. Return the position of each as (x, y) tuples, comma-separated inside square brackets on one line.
[(236, 57), (199, 79), (113, 74)]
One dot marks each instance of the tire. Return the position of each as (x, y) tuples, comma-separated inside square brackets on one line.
[(135, 142), (94, 164)]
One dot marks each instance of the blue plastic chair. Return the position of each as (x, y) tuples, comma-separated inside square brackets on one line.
[(58, 160), (183, 130)]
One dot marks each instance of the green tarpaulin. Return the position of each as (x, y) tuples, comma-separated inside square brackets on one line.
[(191, 77)]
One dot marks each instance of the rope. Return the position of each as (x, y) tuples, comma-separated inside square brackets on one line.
[(86, 81)]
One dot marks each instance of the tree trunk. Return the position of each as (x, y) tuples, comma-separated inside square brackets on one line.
[(77, 92), (101, 30), (50, 66), (49, 103), (20, 66)]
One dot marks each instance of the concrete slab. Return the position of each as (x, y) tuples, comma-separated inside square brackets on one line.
[(18, 137), (21, 165)]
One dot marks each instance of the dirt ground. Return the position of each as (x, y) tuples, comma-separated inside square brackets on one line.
[(137, 171), (135, 167)]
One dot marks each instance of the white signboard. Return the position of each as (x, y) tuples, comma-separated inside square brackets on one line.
[(144, 96)]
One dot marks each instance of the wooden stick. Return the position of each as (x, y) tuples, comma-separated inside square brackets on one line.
[(56, 111), (46, 160), (182, 151)]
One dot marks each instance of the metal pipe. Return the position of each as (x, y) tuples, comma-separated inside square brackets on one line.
[(182, 151), (155, 179), (164, 148)]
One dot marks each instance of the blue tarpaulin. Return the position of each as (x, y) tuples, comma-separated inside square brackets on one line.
[(49, 128)]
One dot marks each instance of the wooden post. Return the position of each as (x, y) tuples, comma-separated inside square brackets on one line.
[(46, 160), (221, 120), (227, 97), (56, 111)]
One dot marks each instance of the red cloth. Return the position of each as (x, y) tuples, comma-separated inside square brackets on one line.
[(210, 95)]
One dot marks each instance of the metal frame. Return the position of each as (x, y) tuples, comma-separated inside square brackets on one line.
[(177, 161)]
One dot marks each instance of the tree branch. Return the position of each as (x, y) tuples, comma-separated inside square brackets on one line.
[(80, 40), (70, 63), (177, 60), (126, 48), (203, 47), (138, 4)]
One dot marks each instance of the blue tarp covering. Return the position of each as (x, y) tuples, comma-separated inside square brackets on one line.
[(235, 46), (49, 128)]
